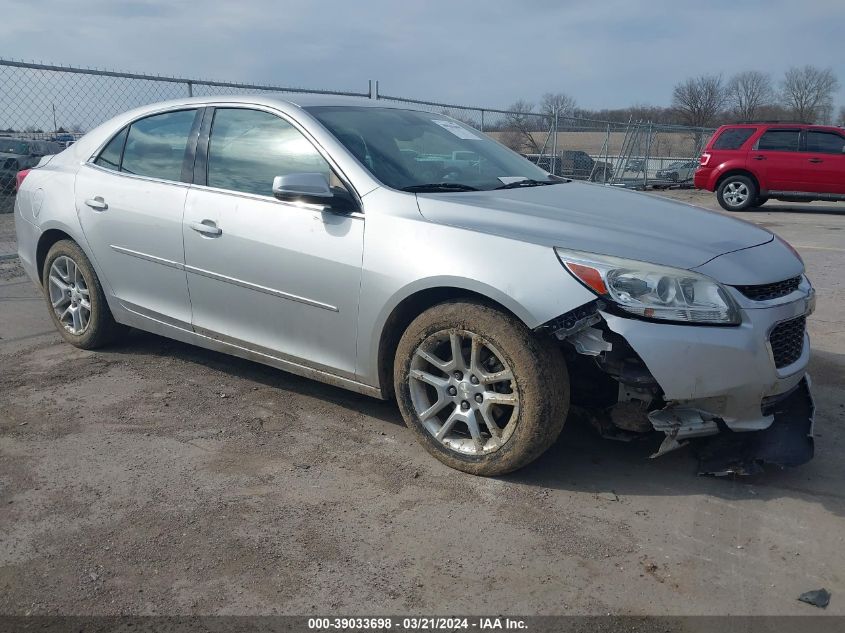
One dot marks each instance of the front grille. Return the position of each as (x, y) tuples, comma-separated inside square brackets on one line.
[(764, 292), (787, 341)]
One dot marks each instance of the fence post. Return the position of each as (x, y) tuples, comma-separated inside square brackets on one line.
[(554, 143), (482, 120), (190, 88)]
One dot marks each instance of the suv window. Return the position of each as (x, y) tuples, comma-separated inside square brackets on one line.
[(733, 137), (825, 142), (248, 148), (155, 146), (110, 156), (779, 141)]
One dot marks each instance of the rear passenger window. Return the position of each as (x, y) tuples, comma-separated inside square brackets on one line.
[(825, 142), (779, 141), (733, 137), (155, 146), (110, 156)]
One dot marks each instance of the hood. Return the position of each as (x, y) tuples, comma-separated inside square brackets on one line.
[(598, 219)]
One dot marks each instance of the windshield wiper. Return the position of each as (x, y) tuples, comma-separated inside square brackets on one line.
[(528, 182), (439, 186)]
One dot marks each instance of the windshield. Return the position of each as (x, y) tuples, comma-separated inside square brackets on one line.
[(13, 147), (407, 149)]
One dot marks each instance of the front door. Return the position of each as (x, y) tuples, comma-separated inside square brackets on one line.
[(275, 277), (130, 203), (825, 156)]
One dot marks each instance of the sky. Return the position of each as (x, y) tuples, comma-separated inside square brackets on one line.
[(606, 54)]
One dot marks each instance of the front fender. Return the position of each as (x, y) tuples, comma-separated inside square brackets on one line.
[(404, 254)]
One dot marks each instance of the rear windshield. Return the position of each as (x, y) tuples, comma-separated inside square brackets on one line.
[(733, 137)]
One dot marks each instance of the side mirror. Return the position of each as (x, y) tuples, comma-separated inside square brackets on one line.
[(313, 188), (306, 187)]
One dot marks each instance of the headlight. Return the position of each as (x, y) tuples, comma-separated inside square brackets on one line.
[(652, 291)]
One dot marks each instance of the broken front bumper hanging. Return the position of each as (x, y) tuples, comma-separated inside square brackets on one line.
[(787, 442), (717, 389)]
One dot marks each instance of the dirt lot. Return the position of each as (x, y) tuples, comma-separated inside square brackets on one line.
[(154, 478)]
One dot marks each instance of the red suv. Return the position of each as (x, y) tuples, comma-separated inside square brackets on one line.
[(748, 164)]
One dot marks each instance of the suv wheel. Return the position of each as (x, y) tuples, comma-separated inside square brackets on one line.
[(736, 193), (75, 298), (480, 391)]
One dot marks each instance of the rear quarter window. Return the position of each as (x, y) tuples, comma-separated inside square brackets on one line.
[(733, 137)]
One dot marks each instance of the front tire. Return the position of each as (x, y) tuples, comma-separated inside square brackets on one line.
[(75, 297), (736, 193), (479, 390)]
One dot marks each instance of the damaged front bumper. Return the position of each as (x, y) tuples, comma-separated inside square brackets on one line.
[(704, 381), (787, 442)]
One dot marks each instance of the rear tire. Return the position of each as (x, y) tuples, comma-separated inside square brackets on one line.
[(736, 193), (75, 298), (493, 407)]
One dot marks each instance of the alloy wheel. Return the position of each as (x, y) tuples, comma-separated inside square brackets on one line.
[(735, 193), (69, 295), (464, 392)]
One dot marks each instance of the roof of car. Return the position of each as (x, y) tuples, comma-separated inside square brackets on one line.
[(784, 124), (303, 100)]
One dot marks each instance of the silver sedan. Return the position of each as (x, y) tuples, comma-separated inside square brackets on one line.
[(403, 254)]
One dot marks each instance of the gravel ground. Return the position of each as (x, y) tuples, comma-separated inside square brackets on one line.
[(156, 478)]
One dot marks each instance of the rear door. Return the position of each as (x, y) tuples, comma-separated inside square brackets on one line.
[(775, 156), (130, 200), (825, 161)]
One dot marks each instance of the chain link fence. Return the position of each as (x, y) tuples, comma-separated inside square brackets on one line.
[(43, 108)]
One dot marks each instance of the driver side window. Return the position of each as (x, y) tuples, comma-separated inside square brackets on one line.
[(248, 148)]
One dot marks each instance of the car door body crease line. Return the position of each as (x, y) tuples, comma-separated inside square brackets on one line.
[(270, 291), (232, 280)]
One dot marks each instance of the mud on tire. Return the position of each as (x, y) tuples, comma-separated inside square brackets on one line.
[(101, 327), (540, 383)]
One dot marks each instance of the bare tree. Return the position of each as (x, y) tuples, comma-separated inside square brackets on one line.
[(807, 92), (462, 116), (638, 112), (841, 121), (698, 100), (521, 122), (558, 102), (747, 92)]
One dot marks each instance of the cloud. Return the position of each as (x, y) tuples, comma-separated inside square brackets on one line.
[(606, 54)]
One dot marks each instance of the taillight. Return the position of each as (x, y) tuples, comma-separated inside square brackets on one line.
[(705, 158), (19, 178)]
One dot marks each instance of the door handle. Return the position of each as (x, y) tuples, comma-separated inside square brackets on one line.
[(816, 160), (759, 158), (207, 227), (97, 203)]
